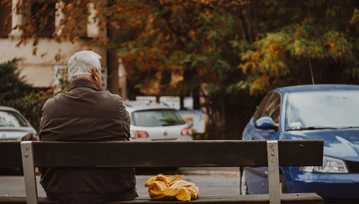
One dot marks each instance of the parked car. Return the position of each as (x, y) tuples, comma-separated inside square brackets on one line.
[(326, 112), (14, 126), (156, 122)]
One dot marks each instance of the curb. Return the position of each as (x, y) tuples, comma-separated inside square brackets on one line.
[(210, 171)]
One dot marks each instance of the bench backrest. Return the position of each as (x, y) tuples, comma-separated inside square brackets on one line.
[(10, 154), (171, 154), (174, 154)]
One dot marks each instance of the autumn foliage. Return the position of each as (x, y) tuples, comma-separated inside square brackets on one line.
[(215, 48)]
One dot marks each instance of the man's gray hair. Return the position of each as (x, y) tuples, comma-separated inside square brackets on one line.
[(81, 64)]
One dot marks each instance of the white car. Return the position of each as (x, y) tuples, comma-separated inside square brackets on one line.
[(14, 126), (156, 122)]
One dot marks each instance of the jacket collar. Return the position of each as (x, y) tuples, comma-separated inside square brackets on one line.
[(83, 83)]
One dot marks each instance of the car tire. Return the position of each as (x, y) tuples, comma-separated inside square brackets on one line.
[(243, 187), (283, 186)]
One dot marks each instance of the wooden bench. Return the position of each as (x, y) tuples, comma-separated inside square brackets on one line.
[(167, 154)]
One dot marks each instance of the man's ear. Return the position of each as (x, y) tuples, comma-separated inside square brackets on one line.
[(95, 74)]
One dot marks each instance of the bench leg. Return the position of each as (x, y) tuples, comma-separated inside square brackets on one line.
[(273, 172), (29, 172)]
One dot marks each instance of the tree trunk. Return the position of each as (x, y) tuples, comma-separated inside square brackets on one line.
[(112, 58), (181, 102), (112, 69), (112, 63), (196, 98), (223, 122)]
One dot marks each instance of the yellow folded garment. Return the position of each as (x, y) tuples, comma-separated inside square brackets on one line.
[(163, 187)]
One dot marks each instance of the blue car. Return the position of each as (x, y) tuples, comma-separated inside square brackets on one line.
[(326, 112)]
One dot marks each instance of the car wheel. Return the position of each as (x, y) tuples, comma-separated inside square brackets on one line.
[(283, 187), (243, 187)]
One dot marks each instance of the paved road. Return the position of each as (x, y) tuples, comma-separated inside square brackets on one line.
[(220, 182)]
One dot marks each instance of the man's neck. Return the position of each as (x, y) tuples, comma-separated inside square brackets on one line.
[(89, 79)]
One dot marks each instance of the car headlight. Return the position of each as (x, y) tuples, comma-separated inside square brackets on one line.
[(330, 165)]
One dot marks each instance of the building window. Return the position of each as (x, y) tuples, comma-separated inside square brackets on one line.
[(5, 20), (43, 18)]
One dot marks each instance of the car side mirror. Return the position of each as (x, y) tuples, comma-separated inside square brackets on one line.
[(266, 123)]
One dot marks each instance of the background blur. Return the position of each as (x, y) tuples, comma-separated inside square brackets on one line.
[(214, 58)]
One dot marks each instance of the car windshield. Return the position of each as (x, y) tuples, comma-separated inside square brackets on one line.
[(11, 119), (159, 117), (322, 110)]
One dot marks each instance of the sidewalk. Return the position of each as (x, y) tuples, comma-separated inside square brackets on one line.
[(219, 171)]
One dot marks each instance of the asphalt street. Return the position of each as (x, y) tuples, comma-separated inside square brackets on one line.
[(211, 182)]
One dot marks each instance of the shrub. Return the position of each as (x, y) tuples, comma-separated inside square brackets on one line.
[(16, 93)]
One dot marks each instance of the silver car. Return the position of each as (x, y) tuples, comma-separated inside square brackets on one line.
[(14, 126), (151, 121)]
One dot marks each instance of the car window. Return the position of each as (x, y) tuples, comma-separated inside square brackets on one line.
[(11, 119), (260, 110), (159, 117), (335, 109), (273, 107)]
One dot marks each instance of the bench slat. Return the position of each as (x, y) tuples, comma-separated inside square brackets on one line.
[(307, 198), (10, 154), (175, 154)]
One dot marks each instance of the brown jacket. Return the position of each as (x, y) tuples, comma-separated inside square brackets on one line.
[(85, 113)]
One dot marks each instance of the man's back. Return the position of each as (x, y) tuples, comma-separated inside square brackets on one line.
[(85, 113)]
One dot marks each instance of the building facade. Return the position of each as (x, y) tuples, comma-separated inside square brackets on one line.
[(40, 64)]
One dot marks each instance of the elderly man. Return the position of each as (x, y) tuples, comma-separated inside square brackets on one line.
[(85, 113)]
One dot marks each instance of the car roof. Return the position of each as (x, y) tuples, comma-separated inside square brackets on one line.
[(145, 105), (317, 87), (8, 108)]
